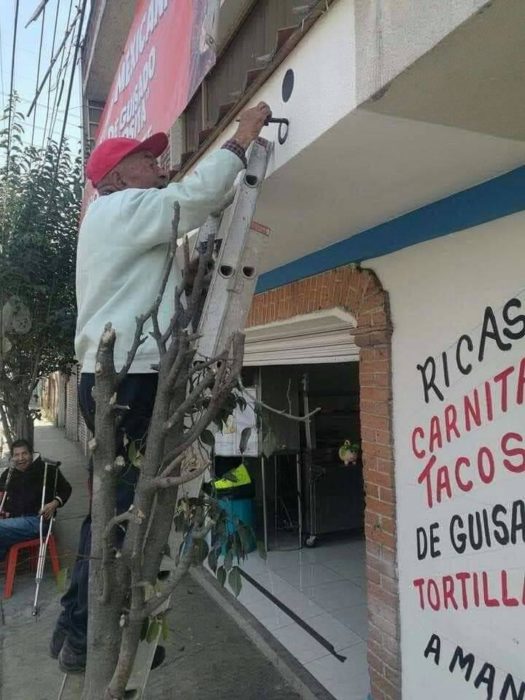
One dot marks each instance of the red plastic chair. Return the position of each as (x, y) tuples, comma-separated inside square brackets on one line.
[(33, 547)]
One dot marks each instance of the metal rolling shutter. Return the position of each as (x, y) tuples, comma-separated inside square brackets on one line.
[(319, 337)]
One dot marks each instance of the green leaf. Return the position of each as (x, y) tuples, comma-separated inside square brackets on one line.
[(234, 580), (208, 438), (221, 529), (149, 591), (228, 560), (269, 444), (221, 575), (62, 579), (213, 559), (237, 546), (165, 629), (243, 442), (144, 629), (261, 550), (153, 630), (246, 536), (135, 456), (179, 521)]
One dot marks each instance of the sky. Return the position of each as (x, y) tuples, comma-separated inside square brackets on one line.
[(26, 67)]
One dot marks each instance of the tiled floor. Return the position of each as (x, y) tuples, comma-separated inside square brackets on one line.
[(326, 587)]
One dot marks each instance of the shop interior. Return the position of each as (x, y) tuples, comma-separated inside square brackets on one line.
[(308, 515)]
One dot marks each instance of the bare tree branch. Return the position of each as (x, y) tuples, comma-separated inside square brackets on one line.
[(165, 482), (106, 593), (221, 389), (5, 425), (257, 402), (201, 387), (119, 519), (34, 375), (183, 347), (182, 569), (205, 263), (181, 390)]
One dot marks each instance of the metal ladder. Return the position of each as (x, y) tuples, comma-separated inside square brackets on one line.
[(225, 310), (241, 244)]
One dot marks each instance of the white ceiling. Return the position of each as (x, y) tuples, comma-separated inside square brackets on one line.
[(368, 169)]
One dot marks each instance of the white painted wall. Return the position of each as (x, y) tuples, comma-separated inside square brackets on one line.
[(324, 89), (392, 34), (343, 169), (439, 290)]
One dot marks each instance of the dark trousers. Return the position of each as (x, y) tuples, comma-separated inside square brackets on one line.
[(138, 392)]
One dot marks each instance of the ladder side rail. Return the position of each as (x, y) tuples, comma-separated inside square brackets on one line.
[(226, 307)]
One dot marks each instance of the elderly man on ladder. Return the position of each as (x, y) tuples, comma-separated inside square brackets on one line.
[(123, 242)]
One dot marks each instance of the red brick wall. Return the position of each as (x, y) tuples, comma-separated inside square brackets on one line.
[(360, 292)]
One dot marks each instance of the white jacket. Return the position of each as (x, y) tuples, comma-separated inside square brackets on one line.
[(123, 242)]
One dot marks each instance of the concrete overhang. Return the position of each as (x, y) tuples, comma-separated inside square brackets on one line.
[(368, 169), (473, 79), (108, 29), (109, 25), (454, 119)]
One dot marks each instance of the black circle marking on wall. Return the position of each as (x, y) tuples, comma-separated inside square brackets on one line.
[(287, 87)]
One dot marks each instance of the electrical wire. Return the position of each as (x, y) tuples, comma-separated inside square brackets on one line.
[(12, 82), (59, 86), (68, 101), (72, 78), (54, 60), (1, 64), (38, 104), (49, 84), (40, 130), (38, 70), (60, 82)]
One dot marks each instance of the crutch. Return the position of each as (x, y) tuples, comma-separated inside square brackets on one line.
[(43, 540), (62, 687), (8, 479)]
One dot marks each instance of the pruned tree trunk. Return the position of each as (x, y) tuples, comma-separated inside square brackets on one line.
[(107, 579), (123, 588), (17, 419), (23, 424), (6, 428)]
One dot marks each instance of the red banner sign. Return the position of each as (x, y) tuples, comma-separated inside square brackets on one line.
[(168, 52)]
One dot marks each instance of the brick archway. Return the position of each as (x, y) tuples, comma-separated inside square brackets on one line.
[(360, 292)]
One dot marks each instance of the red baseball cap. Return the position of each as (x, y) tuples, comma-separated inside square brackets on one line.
[(111, 152)]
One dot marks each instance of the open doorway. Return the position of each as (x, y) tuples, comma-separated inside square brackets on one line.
[(310, 514)]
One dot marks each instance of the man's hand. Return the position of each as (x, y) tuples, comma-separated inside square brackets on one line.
[(49, 509), (250, 124)]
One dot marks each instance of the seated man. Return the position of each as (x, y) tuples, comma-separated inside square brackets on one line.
[(23, 483)]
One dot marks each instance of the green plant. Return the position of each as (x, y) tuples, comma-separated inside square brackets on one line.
[(40, 200)]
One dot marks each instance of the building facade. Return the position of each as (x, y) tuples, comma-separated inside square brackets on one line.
[(397, 207)]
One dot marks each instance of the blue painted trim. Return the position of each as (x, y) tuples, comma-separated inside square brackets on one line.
[(491, 200)]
